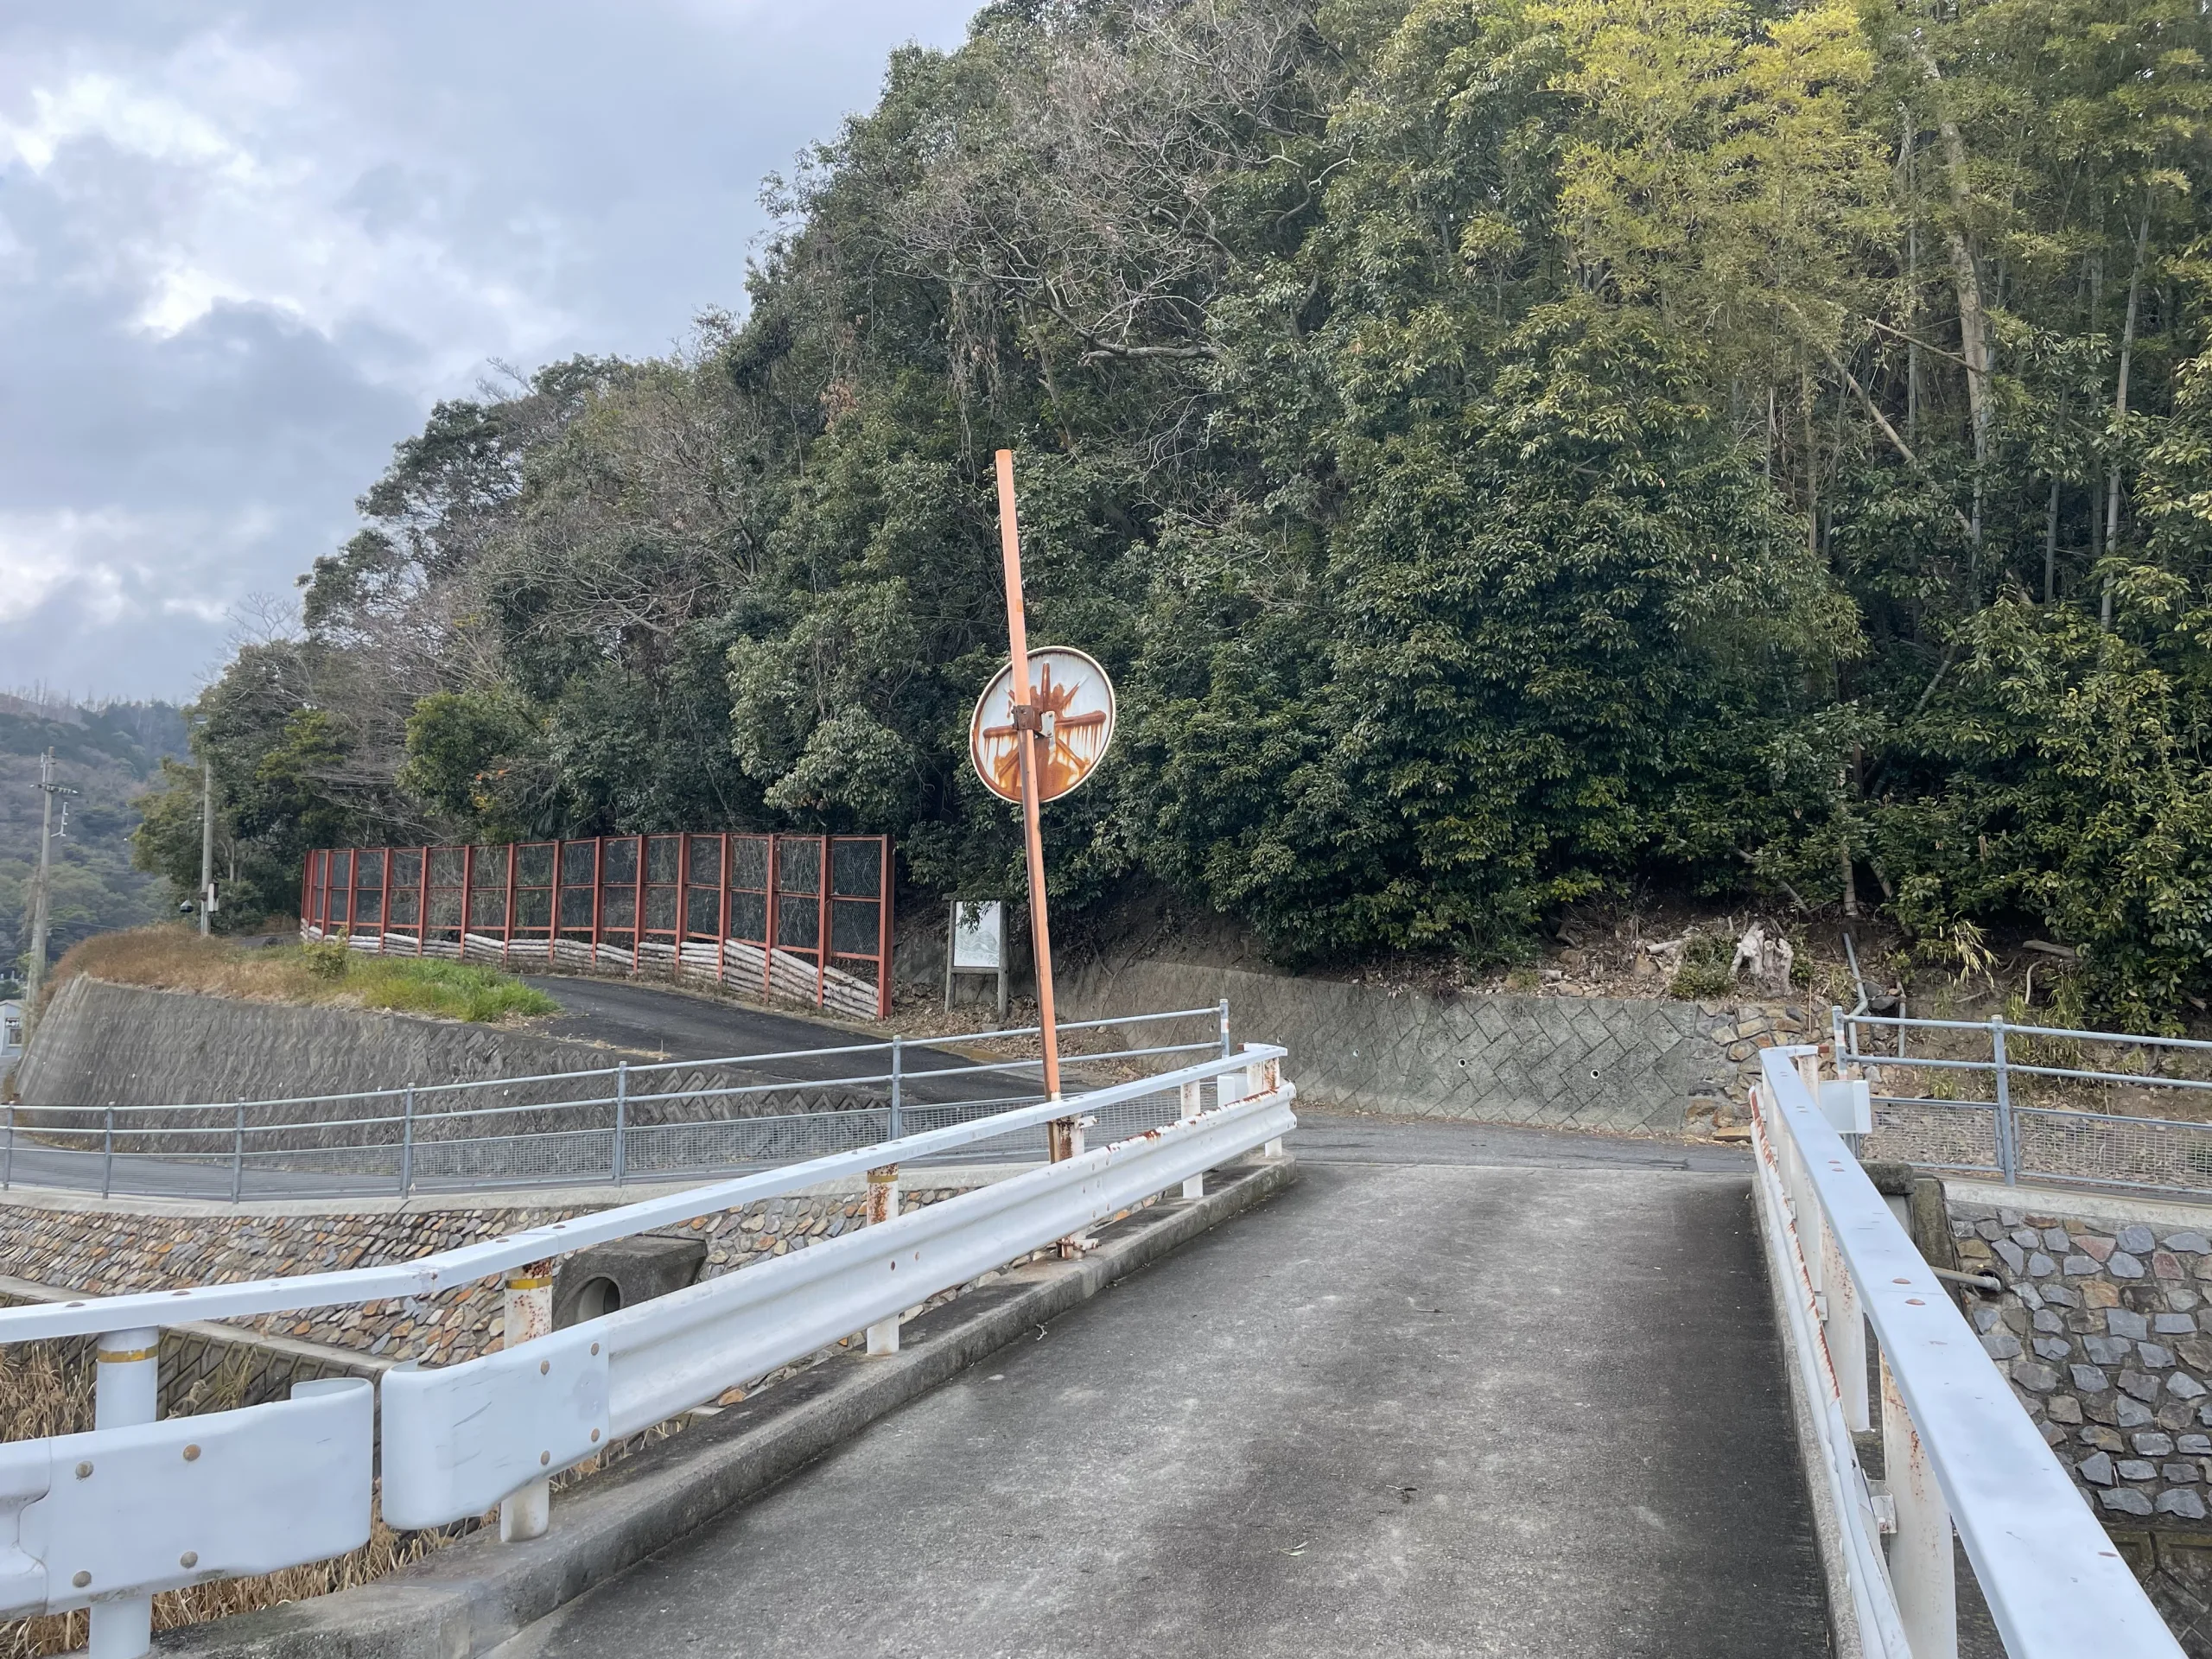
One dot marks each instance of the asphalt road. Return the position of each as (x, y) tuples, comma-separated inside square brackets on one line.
[(692, 1028), (682, 1027), (1406, 1408)]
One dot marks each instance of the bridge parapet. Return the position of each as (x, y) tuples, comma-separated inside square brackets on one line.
[(1958, 1449), (197, 1499)]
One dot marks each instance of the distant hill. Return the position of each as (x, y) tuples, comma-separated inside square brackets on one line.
[(110, 751)]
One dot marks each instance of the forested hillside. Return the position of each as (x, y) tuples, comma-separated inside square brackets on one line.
[(1507, 452), (110, 754)]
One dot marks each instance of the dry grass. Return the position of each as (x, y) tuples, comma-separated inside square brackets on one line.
[(46, 1387), (171, 957)]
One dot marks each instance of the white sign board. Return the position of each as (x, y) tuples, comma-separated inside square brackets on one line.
[(979, 934), (1848, 1105)]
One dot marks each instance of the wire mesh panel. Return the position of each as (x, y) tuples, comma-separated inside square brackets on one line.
[(857, 982), (662, 896), (2106, 1151), (576, 902), (1938, 1134), (795, 962), (618, 895), (403, 901), (569, 1155), (702, 887), (744, 928), (449, 868), (487, 899), (319, 890), (736, 1143), (341, 890), (529, 922), (368, 891)]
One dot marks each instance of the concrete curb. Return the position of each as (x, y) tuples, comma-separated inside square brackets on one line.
[(466, 1600)]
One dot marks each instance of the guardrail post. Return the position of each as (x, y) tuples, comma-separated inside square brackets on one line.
[(2008, 1151), (127, 1391), (407, 1143), (1263, 1077), (8, 1168), (882, 1206), (1920, 1553), (1193, 1102), (238, 1155), (526, 1315), (621, 1121), (107, 1151), (897, 1055), (1226, 1051), (1846, 1334)]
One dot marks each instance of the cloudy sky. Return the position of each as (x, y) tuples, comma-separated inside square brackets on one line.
[(243, 247)]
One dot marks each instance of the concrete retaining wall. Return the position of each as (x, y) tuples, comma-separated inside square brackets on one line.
[(104, 1045), (1618, 1065), (99, 1044)]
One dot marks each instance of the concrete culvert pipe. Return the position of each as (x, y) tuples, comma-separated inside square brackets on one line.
[(621, 1274)]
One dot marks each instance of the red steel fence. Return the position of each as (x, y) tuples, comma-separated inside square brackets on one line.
[(799, 918)]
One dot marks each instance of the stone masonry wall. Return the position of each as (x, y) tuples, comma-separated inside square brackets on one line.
[(1619, 1065), (2103, 1327)]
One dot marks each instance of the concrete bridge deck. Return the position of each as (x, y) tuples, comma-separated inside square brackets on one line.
[(1407, 1408)]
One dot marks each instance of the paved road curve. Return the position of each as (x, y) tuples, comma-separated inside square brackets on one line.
[(1406, 1408), (655, 1020)]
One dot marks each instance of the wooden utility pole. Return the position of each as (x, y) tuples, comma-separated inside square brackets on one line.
[(1028, 734)]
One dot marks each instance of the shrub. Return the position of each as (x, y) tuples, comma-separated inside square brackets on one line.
[(1706, 968), (325, 959)]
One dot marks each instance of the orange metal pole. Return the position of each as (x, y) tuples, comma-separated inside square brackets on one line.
[(1026, 736)]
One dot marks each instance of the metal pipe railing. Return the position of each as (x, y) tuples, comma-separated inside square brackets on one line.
[(428, 1275), (425, 1113), (2097, 1148)]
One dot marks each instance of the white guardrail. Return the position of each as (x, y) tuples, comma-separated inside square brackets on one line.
[(1957, 1446), (106, 1518)]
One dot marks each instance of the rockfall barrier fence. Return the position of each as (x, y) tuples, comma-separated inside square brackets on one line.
[(795, 918)]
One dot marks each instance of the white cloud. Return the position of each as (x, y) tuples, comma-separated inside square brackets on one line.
[(107, 565), (217, 174), (243, 248)]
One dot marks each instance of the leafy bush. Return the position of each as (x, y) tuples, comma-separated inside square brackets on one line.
[(1705, 969), (325, 959)]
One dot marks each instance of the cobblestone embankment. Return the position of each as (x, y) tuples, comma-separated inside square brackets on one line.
[(105, 1251), (2104, 1329)]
